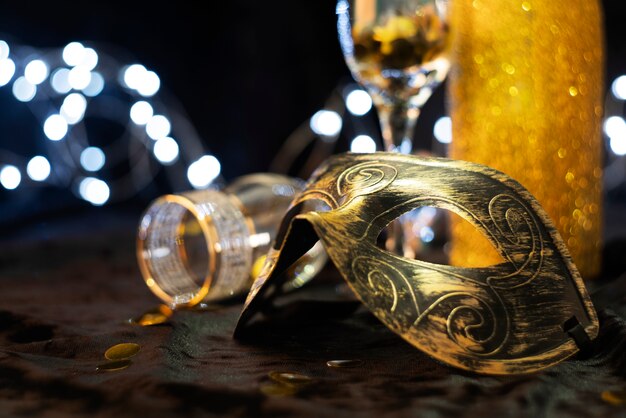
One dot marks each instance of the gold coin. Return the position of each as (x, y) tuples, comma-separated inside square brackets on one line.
[(614, 397), (289, 378), (113, 366), (344, 363), (122, 351), (156, 316)]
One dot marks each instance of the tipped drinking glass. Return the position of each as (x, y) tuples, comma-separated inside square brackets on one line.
[(209, 245)]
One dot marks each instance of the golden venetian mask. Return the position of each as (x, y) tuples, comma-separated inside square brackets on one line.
[(527, 313)]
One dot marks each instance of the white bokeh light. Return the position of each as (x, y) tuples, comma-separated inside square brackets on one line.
[(73, 108), (60, 82), (141, 112), (443, 130), (615, 129), (426, 214), (92, 158), (158, 127), (614, 126), (166, 150), (89, 59), (73, 53), (10, 177), (7, 70), (4, 50), (618, 145), (95, 86), (203, 171), (36, 72), (149, 85), (427, 234), (363, 143), (326, 123), (23, 90), (94, 191), (133, 75), (55, 127), (79, 77), (618, 87), (358, 102), (38, 168)]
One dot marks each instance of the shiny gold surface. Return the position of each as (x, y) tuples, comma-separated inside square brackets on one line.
[(526, 92), (502, 319), (122, 351)]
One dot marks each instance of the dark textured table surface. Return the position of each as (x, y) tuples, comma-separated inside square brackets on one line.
[(64, 301)]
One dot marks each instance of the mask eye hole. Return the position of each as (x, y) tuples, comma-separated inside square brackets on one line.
[(425, 233), (303, 207)]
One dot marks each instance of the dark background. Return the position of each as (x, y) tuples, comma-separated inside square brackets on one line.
[(247, 73)]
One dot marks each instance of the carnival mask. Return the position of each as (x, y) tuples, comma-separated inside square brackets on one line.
[(525, 314)]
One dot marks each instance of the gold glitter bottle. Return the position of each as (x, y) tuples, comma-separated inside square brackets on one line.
[(525, 91)]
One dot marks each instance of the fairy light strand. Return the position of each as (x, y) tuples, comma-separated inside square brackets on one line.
[(70, 80)]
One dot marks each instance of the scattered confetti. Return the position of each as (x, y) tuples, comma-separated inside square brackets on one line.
[(122, 351), (159, 315)]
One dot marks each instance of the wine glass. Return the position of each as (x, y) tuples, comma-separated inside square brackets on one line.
[(398, 51)]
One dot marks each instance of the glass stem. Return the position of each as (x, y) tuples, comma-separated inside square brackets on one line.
[(397, 122)]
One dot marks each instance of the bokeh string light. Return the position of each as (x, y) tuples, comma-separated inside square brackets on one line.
[(68, 89), (614, 130)]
